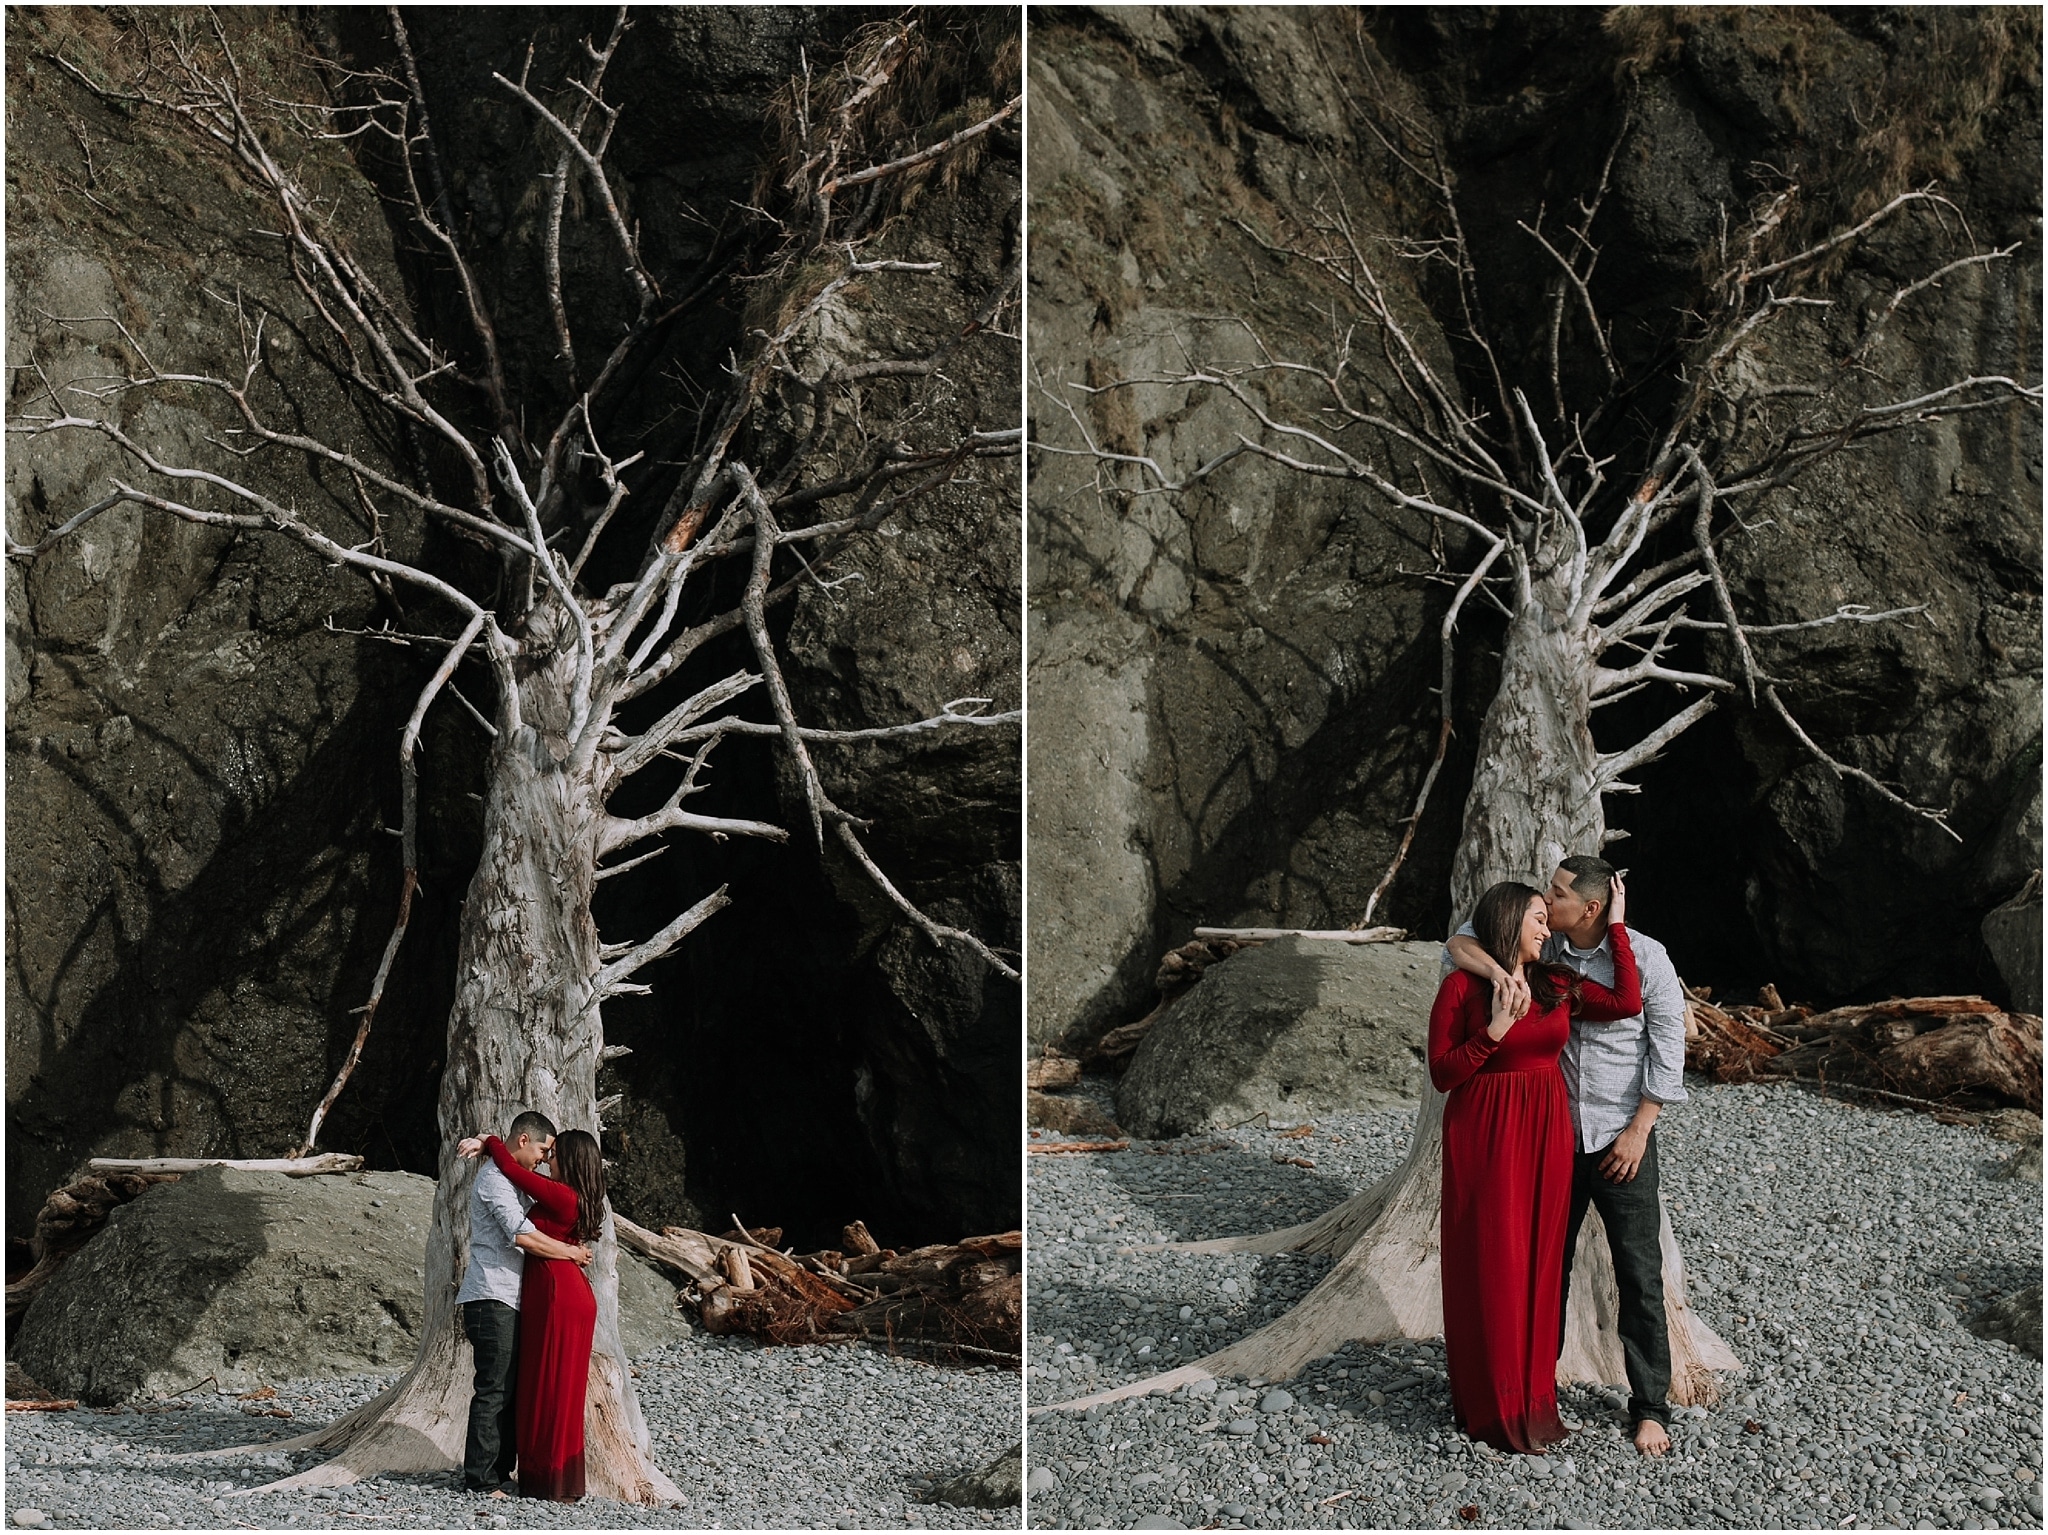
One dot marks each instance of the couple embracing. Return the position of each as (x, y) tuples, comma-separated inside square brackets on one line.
[(1558, 1037), (527, 1307)]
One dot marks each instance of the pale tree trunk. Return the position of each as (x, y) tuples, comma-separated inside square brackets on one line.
[(524, 1033), (1535, 799)]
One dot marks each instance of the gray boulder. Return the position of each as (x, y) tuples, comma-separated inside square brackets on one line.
[(2012, 933), (999, 1484), (255, 1277), (648, 1316), (1294, 1028), (2014, 1319)]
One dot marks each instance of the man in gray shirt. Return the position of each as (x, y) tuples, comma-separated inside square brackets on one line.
[(500, 1236), (1619, 1077)]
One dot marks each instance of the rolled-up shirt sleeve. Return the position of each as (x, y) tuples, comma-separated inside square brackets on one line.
[(1664, 1027), (501, 1203), (1465, 930)]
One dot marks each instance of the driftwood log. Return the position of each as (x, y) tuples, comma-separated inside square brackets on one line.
[(291, 1167), (1052, 1071), (68, 1219), (964, 1296), (1179, 969), (1068, 1116), (1949, 1052)]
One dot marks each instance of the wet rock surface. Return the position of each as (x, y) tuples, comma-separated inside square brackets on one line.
[(1837, 1249)]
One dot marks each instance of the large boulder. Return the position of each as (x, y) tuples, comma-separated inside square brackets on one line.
[(1294, 1028), (256, 1277), (2012, 933)]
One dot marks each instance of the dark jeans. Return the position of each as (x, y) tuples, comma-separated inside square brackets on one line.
[(1630, 1212), (492, 1444)]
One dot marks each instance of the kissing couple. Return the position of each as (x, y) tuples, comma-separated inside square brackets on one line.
[(535, 1210), (1558, 1035)]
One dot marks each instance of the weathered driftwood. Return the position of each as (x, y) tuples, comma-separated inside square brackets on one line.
[(1051, 1071), (1056, 1148), (1327, 935), (1938, 1052), (969, 1293), (1179, 969), (1068, 1116), (966, 1294), (1385, 1284), (68, 1219), (291, 1167)]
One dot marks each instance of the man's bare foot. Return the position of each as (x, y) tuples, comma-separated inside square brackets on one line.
[(1651, 1438)]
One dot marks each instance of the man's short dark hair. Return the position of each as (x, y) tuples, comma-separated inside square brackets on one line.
[(1592, 878), (533, 1123)]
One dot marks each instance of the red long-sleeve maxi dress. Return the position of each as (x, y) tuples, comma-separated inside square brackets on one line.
[(1507, 1194), (557, 1318)]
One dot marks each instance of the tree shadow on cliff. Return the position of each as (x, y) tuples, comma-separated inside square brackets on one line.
[(295, 870)]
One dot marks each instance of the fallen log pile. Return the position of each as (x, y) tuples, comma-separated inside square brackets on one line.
[(963, 1298), (1963, 1053)]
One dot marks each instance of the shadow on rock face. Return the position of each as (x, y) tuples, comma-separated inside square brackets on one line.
[(1292, 1029)]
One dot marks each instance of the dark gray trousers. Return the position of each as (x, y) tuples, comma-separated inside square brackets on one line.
[(1631, 1214), (492, 1444)]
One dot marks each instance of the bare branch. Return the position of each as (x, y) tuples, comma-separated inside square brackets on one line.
[(924, 156), (409, 841), (1702, 541), (754, 605), (1613, 765), (609, 978), (1843, 770), (949, 716), (938, 932), (618, 834), (651, 742)]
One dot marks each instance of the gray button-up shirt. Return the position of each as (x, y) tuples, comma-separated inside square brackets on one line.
[(497, 1215), (1610, 1068)]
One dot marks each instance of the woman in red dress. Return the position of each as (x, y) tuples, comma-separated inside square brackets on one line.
[(1508, 1164), (557, 1314)]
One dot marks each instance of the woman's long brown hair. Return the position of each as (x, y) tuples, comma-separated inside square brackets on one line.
[(1497, 923), (579, 1164)]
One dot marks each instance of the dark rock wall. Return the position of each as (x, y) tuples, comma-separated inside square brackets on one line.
[(198, 884), (1229, 687)]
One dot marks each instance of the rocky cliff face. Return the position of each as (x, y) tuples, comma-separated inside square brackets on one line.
[(199, 770), (1230, 686)]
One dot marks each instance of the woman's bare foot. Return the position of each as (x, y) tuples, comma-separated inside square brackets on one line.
[(1651, 1438)]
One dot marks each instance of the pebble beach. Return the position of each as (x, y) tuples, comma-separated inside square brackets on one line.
[(839, 1437), (1839, 1249)]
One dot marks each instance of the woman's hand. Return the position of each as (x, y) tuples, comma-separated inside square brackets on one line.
[(470, 1146), (1618, 910), (1508, 1007)]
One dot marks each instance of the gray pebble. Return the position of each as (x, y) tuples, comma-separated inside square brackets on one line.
[(1893, 1421)]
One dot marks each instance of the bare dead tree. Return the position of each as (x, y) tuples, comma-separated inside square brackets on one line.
[(560, 660), (1599, 544)]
